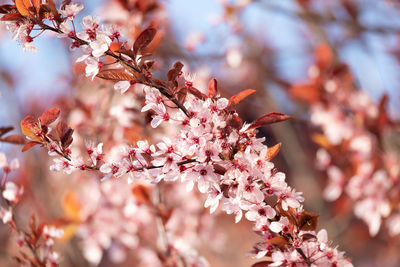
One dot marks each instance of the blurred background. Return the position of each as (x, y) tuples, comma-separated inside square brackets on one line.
[(271, 46)]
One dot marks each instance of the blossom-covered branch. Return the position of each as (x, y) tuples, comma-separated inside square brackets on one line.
[(212, 147)]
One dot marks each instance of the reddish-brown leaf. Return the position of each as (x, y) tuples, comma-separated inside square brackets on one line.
[(14, 139), (29, 145), (308, 221), (71, 206), (310, 93), (212, 88), (29, 127), (236, 99), (49, 116), (197, 93), (51, 8), (235, 122), (32, 223), (4, 9), (61, 128), (269, 118), (273, 151), (144, 39), (308, 236), (278, 240), (383, 118), (181, 94), (142, 194), (321, 140), (174, 71), (165, 214), (11, 17), (324, 56), (36, 3), (4, 130), (23, 7), (67, 139), (129, 53), (115, 75)]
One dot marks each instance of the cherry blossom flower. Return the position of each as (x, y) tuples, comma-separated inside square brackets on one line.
[(12, 192), (6, 215), (61, 164), (280, 226), (259, 211), (71, 10), (124, 86), (213, 198)]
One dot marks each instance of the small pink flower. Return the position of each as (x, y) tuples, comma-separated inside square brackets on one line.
[(6, 215), (71, 10), (12, 192), (260, 211)]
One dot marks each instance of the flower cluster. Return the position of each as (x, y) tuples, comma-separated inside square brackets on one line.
[(41, 239), (354, 128)]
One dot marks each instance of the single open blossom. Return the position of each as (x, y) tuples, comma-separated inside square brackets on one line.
[(92, 67), (12, 192), (281, 225), (100, 45), (71, 10), (95, 152), (259, 211), (290, 198), (153, 98), (6, 215), (161, 115), (61, 164), (8, 166), (124, 86), (90, 26), (204, 176), (213, 198)]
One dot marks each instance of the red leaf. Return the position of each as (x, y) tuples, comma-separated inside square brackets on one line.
[(4, 130), (61, 128), (11, 17), (124, 51), (67, 139), (144, 39), (142, 194), (273, 151), (5, 9), (115, 75), (310, 93), (277, 240), (212, 88), (308, 221), (174, 71), (197, 93), (14, 139), (49, 116), (23, 7), (324, 56), (29, 127), (236, 99), (269, 118), (29, 145)]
